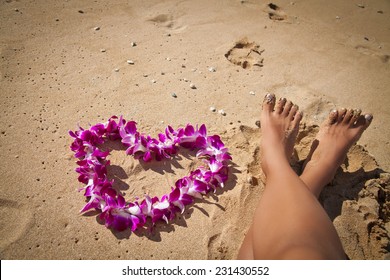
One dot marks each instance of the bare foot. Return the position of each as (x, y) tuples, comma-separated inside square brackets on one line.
[(337, 134), (279, 126)]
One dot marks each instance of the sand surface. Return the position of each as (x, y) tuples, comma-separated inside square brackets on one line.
[(66, 62)]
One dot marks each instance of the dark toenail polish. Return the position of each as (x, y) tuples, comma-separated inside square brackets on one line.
[(368, 117), (269, 98)]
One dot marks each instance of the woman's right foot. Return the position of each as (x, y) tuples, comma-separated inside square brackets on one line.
[(279, 126), (337, 134)]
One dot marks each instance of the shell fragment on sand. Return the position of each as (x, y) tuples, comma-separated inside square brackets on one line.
[(222, 112)]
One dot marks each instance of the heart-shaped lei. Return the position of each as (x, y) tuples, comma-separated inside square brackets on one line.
[(115, 211)]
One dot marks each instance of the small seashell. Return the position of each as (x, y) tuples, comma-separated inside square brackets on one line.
[(133, 44), (337, 17), (252, 180), (102, 50), (174, 95), (212, 69), (222, 112), (116, 69), (186, 80), (252, 92), (213, 109), (194, 69), (168, 59), (130, 62), (192, 86), (145, 75), (360, 6), (97, 28), (153, 81)]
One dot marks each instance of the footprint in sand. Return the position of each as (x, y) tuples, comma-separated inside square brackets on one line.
[(238, 203), (275, 12), (217, 247), (365, 222), (385, 58), (11, 231), (245, 54), (169, 22)]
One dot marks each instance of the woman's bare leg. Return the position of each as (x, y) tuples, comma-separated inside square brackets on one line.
[(296, 234), (282, 106)]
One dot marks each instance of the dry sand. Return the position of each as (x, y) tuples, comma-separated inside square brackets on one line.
[(65, 62)]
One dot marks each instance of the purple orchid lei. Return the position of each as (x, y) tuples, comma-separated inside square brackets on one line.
[(115, 211)]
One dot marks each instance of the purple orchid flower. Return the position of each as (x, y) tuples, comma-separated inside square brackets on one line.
[(194, 138), (101, 195)]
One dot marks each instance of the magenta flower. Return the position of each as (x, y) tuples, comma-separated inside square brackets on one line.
[(194, 138), (115, 211)]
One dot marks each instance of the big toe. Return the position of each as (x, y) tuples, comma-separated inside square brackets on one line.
[(269, 102), (363, 121)]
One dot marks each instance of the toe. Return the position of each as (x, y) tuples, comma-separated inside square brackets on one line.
[(355, 116), (348, 115), (363, 121), (280, 105), (293, 111), (297, 119), (269, 102), (368, 118), (341, 114), (333, 116), (287, 108)]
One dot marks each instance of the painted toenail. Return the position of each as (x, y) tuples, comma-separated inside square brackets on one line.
[(356, 112), (368, 117), (269, 98)]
